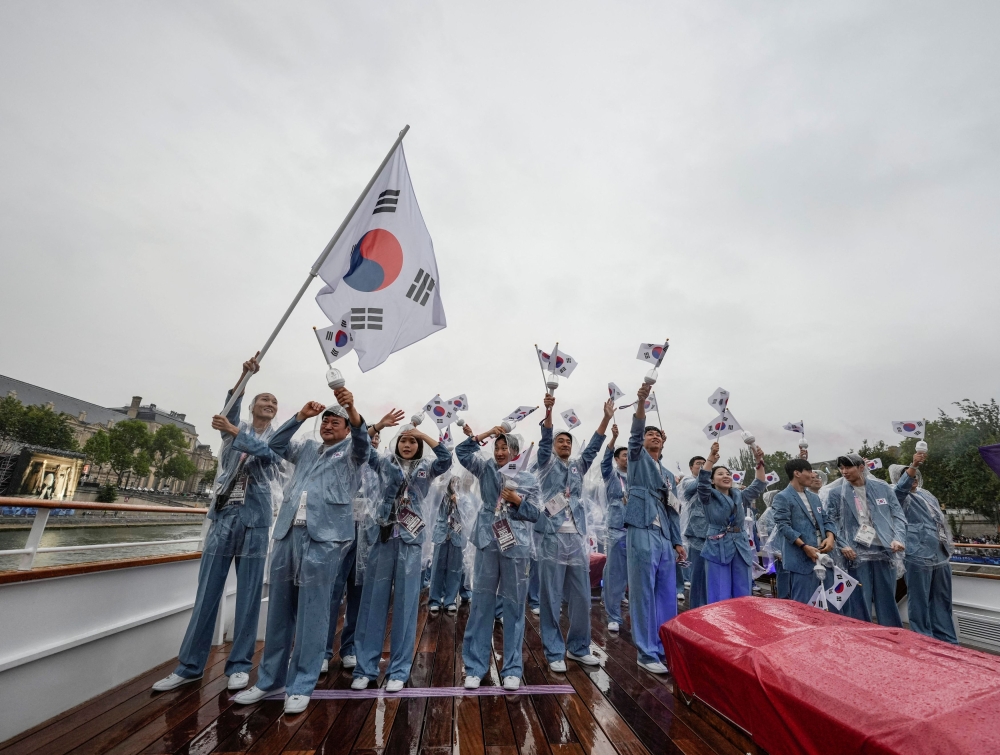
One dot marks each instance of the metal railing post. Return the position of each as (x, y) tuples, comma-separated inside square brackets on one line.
[(34, 538)]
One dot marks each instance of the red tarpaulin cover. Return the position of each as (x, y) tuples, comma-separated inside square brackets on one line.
[(802, 680), (597, 561)]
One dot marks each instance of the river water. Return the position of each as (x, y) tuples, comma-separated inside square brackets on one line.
[(52, 537)]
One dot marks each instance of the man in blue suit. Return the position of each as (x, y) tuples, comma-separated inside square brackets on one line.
[(614, 471), (695, 530), (652, 537), (805, 532)]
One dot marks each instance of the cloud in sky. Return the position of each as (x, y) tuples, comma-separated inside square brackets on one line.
[(802, 197)]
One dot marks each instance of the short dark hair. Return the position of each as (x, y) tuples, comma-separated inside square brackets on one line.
[(563, 432), (618, 451), (694, 459), (655, 429), (719, 466), (796, 465)]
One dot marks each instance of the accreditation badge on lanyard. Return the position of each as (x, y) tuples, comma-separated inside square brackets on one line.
[(504, 535), (239, 491), (556, 504), (410, 520)]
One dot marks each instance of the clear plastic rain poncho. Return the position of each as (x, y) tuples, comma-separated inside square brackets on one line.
[(315, 524), (857, 520), (929, 540), (247, 491), (563, 534), (404, 500), (770, 540), (457, 496), (596, 504)]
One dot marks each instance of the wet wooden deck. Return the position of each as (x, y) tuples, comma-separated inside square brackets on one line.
[(617, 708)]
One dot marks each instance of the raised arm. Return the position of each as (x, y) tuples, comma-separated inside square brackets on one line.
[(607, 462), (597, 440), (467, 453)]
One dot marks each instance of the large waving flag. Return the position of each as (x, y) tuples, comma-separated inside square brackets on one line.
[(383, 271)]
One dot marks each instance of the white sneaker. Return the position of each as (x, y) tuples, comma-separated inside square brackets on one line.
[(349, 661), (587, 660), (472, 682), (687, 584), (325, 667), (172, 682), (239, 680), (452, 609), (253, 695), (558, 666), (613, 626), (511, 683), (654, 668), (296, 703), (536, 611), (360, 682), (680, 597), (394, 685), (434, 608)]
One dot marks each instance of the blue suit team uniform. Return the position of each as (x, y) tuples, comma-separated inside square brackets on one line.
[(928, 573), (795, 518), (449, 540), (307, 558), (616, 565), (727, 550), (694, 535), (496, 571), (875, 567), (394, 569), (239, 531), (653, 530), (563, 555)]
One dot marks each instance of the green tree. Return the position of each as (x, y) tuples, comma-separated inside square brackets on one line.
[(98, 448), (209, 477), (774, 462), (11, 412), (35, 425), (888, 455), (128, 447), (178, 467)]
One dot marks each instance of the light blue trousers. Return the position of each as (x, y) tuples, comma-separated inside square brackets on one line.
[(615, 575), (446, 575), (878, 586), (534, 592), (783, 583), (563, 581), (801, 587), (212, 574), (699, 581), (347, 580), (493, 575), (929, 601), (298, 616), (726, 581), (652, 589), (393, 572)]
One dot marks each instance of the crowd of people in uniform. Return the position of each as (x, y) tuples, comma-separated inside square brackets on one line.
[(356, 525)]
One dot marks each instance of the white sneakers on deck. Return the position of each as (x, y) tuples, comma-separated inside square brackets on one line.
[(511, 683), (654, 668), (613, 626), (254, 695), (558, 666), (587, 660), (349, 661), (394, 685), (536, 611), (239, 680), (296, 703), (472, 682), (452, 609), (325, 668), (434, 608), (360, 682), (680, 597), (173, 682)]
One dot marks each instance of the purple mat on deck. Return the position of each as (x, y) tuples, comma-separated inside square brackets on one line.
[(360, 694)]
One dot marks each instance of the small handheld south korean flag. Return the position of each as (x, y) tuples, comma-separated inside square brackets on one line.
[(843, 586), (520, 413), (771, 478), (557, 362), (818, 599), (873, 464), (719, 400), (518, 463), (796, 427), (336, 340), (722, 425), (651, 352), (614, 392), (459, 403), (570, 418), (440, 413), (446, 437), (738, 476), (911, 429)]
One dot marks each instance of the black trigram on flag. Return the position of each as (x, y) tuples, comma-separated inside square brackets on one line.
[(420, 289), (359, 320), (386, 201)]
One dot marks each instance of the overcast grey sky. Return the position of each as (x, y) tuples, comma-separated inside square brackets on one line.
[(803, 196)]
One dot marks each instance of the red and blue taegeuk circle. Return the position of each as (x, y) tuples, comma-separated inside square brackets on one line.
[(720, 425), (909, 427), (340, 339), (376, 261), (838, 588), (458, 403), (559, 360), (657, 351), (439, 411)]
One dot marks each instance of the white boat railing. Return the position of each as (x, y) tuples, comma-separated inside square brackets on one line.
[(42, 508)]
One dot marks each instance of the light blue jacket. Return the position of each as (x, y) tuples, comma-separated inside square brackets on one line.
[(256, 508), (649, 483), (490, 479), (615, 485), (883, 507), (928, 538), (793, 522), (723, 513), (443, 519), (330, 477), (415, 482), (557, 476), (697, 525)]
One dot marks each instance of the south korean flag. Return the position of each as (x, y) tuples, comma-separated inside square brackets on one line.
[(910, 428), (771, 478), (459, 403), (570, 418), (520, 413), (440, 412), (719, 400), (818, 599), (614, 392), (651, 352), (722, 425), (843, 586), (337, 340)]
